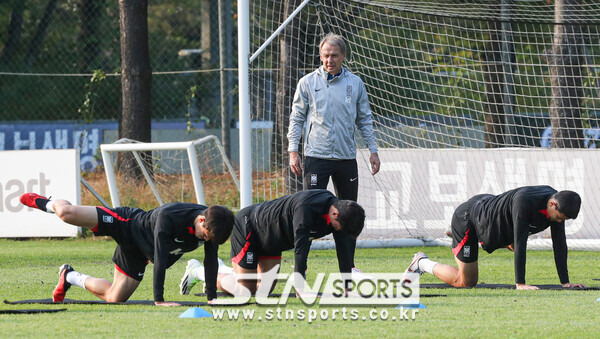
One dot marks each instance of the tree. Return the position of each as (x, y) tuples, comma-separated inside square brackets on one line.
[(40, 33), (566, 77), (89, 35), (13, 36), (136, 74)]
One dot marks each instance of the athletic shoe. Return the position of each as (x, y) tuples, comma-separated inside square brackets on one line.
[(360, 275), (189, 279), (34, 200), (414, 264), (63, 285)]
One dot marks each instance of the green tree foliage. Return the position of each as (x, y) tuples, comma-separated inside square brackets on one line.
[(82, 36)]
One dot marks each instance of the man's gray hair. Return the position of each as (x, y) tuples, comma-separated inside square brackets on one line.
[(335, 40)]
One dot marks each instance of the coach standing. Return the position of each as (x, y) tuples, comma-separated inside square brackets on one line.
[(330, 104)]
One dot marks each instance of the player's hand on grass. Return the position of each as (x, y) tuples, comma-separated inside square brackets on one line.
[(226, 301), (306, 295), (526, 287), (569, 285), (166, 303)]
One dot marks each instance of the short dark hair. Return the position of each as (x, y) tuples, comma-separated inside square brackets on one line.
[(218, 222), (568, 203), (351, 217)]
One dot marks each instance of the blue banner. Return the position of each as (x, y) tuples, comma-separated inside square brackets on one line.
[(64, 135)]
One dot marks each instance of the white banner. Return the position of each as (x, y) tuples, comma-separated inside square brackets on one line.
[(417, 190), (46, 172)]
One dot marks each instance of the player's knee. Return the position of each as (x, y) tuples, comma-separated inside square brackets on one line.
[(115, 299), (250, 285), (469, 283), (64, 212), (271, 288)]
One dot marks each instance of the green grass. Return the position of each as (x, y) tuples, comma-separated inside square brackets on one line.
[(28, 270)]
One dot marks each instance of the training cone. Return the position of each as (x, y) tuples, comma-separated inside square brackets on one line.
[(419, 305), (195, 312)]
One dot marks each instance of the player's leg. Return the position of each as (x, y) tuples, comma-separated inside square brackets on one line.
[(465, 248), (244, 256), (466, 275), (233, 283), (129, 271), (119, 290), (84, 216), (267, 264), (130, 265)]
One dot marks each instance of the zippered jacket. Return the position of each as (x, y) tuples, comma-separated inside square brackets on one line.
[(330, 111)]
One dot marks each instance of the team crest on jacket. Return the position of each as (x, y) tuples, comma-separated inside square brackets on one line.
[(348, 94)]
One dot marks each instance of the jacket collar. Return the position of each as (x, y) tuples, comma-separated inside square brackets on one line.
[(323, 73)]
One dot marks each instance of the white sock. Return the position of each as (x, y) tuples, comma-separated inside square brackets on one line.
[(224, 269), (427, 265), (77, 279), (50, 206)]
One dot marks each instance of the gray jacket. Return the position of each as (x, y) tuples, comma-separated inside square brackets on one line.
[(330, 111)]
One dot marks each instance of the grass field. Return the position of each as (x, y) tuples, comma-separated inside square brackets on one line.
[(28, 270)]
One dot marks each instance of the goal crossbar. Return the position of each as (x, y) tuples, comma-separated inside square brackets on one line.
[(135, 147)]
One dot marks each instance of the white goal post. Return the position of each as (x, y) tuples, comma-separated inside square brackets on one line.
[(186, 152)]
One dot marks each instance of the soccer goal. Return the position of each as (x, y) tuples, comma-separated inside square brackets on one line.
[(467, 97), (189, 171)]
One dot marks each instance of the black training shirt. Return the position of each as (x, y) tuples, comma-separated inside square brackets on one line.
[(510, 217), (165, 233), (293, 221)]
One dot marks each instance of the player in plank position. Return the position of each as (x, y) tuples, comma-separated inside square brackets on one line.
[(262, 231), (160, 235), (505, 221)]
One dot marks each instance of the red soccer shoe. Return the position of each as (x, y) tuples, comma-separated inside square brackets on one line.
[(63, 286), (34, 200)]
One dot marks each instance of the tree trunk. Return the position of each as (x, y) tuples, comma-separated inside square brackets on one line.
[(89, 35), (566, 78), (289, 63), (495, 119), (136, 76), (13, 34), (40, 33)]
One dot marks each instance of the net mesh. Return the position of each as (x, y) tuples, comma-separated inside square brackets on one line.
[(169, 172), (467, 98)]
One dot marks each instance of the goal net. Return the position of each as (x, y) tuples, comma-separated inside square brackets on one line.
[(467, 97), (147, 175)]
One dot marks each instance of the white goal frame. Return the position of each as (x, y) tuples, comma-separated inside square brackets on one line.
[(124, 145)]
